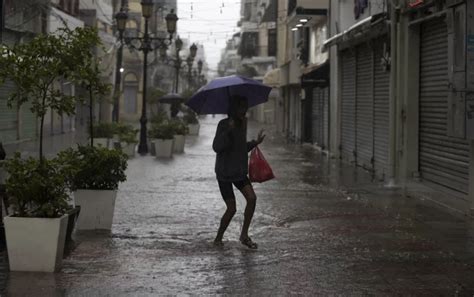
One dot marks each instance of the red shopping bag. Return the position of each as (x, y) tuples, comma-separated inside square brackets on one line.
[(259, 169)]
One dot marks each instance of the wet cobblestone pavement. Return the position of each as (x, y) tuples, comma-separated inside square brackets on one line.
[(322, 230)]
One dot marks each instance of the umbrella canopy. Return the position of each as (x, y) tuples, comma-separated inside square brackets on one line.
[(214, 97), (172, 98)]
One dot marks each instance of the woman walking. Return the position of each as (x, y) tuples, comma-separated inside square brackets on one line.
[(231, 146)]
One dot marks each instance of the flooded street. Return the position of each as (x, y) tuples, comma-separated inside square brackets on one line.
[(323, 229)]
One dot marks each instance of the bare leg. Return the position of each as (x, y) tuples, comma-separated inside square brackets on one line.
[(251, 198), (226, 218)]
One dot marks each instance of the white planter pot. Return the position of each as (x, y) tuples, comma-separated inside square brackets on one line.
[(102, 142), (129, 149), (179, 141), (164, 148), (152, 146), (194, 129), (97, 209), (35, 244)]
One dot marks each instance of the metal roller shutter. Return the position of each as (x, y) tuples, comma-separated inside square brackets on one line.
[(348, 135), (8, 116), (381, 110), (442, 159), (28, 122), (364, 107), (315, 115), (325, 111)]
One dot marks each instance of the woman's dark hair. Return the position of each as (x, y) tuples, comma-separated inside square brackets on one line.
[(234, 103)]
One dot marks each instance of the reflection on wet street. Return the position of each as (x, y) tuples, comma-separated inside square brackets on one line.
[(323, 229)]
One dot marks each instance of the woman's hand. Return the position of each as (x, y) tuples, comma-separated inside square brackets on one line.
[(261, 136)]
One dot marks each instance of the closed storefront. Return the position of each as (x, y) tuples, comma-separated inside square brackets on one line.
[(28, 122), (443, 160), (381, 114), (8, 116), (320, 116), (365, 106), (348, 96)]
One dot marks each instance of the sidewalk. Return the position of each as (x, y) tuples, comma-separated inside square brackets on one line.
[(52, 144), (323, 229)]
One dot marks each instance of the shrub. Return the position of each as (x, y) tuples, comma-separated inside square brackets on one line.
[(179, 126), (37, 189), (94, 168), (165, 130), (104, 130)]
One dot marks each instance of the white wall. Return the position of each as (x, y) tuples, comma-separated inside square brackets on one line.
[(346, 12)]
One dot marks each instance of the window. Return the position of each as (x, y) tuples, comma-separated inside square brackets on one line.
[(272, 42), (130, 91), (247, 11)]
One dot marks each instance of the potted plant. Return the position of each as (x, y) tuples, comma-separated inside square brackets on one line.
[(94, 174), (163, 139), (36, 231), (191, 120), (128, 140), (157, 119), (180, 129), (102, 133)]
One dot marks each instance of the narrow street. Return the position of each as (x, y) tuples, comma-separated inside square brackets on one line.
[(322, 230)]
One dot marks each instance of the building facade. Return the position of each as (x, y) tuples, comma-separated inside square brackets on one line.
[(400, 93), (23, 20)]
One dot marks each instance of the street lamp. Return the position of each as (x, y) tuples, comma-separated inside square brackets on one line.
[(189, 62), (178, 61), (121, 18), (200, 66), (147, 44)]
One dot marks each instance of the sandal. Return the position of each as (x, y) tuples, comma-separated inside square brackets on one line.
[(249, 243)]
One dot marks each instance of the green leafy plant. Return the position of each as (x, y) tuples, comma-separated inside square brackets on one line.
[(94, 168), (103, 130), (159, 117), (37, 191), (129, 138), (164, 130), (179, 126), (36, 66)]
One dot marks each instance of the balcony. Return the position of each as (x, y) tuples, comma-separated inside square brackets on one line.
[(293, 5)]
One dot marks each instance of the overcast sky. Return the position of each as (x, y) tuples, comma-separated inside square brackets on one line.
[(208, 22)]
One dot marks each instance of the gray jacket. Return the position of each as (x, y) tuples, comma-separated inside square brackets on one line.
[(232, 149)]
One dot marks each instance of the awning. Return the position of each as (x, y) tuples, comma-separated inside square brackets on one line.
[(356, 29), (316, 75), (272, 78)]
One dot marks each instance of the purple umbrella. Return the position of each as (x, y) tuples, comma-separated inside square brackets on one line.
[(214, 97)]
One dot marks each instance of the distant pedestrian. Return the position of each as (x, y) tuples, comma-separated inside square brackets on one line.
[(231, 146)]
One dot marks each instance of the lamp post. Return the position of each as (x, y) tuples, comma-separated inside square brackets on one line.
[(189, 63), (147, 44), (179, 45), (178, 61), (200, 63), (121, 18)]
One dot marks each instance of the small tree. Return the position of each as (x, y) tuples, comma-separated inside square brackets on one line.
[(88, 75), (36, 66)]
